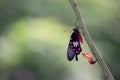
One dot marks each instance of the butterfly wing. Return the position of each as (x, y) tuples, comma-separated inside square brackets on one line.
[(75, 43), (70, 53), (74, 47)]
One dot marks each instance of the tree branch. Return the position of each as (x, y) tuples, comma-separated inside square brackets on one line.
[(90, 42)]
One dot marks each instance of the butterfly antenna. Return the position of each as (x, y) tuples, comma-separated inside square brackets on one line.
[(67, 31)]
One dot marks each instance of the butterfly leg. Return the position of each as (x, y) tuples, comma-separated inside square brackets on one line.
[(76, 57)]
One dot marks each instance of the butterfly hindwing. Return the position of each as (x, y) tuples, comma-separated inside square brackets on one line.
[(70, 53)]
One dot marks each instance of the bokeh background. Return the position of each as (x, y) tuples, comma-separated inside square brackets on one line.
[(33, 44)]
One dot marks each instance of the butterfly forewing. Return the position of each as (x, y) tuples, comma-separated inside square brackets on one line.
[(73, 47), (75, 43)]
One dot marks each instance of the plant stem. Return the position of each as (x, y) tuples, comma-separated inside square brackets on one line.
[(90, 42)]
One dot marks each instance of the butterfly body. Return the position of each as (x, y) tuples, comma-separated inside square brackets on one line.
[(74, 47)]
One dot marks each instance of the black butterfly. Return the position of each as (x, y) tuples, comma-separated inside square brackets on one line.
[(74, 47)]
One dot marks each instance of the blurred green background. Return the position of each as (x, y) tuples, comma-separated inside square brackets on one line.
[(33, 45)]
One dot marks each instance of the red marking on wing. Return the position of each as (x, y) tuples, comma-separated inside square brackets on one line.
[(70, 42), (80, 38), (78, 49)]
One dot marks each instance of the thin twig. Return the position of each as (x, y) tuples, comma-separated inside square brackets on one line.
[(90, 42)]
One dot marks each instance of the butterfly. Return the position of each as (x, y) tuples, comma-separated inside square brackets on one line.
[(89, 57), (74, 47)]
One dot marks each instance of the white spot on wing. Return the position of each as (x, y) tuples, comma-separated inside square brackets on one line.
[(75, 44)]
